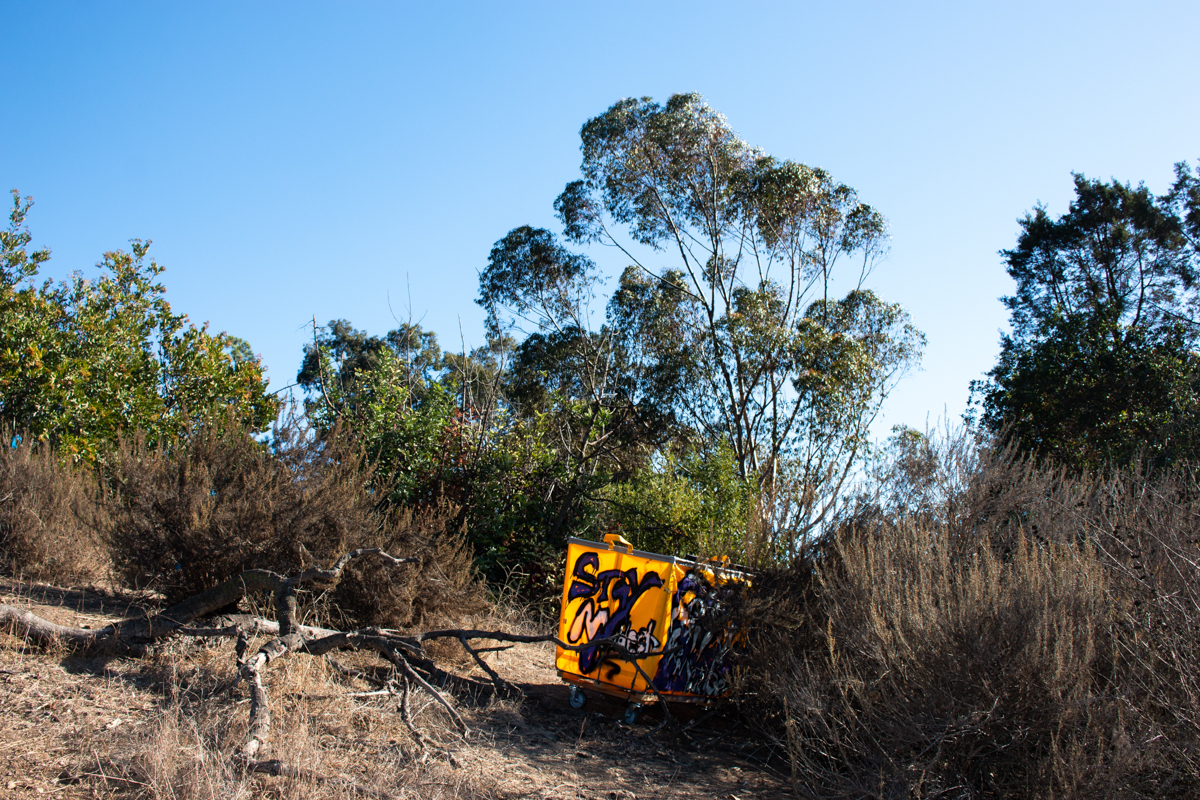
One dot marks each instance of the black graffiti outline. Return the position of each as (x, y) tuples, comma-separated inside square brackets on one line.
[(605, 612), (697, 659)]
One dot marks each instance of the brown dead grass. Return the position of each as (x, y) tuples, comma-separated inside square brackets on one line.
[(167, 726), (1025, 634), (50, 516)]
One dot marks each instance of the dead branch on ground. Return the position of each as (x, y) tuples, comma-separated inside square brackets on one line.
[(412, 668)]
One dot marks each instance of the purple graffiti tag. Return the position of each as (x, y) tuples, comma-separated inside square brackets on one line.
[(609, 598), (698, 649)]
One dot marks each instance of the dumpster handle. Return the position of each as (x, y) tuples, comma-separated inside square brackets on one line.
[(613, 539)]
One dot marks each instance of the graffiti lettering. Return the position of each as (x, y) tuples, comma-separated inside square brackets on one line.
[(639, 642), (588, 621), (608, 599), (698, 649)]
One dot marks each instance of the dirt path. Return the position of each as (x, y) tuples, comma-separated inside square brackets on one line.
[(74, 727), (553, 751)]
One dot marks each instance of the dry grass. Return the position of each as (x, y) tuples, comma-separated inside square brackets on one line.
[(1026, 634), (50, 516), (345, 745), (169, 726)]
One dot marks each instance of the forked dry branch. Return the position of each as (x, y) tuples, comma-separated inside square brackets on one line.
[(412, 668)]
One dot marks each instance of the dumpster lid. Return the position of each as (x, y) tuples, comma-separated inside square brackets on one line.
[(683, 561)]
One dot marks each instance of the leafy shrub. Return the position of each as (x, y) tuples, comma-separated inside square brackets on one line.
[(84, 362), (696, 503)]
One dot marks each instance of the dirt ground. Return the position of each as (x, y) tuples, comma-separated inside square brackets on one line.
[(166, 726)]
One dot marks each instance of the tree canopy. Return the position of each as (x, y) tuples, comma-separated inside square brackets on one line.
[(85, 361), (1101, 364), (340, 365), (740, 338)]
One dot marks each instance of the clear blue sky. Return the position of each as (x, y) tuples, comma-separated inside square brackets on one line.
[(298, 160)]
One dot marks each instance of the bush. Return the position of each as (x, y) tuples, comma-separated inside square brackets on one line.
[(1029, 634), (695, 503), (50, 515), (220, 502)]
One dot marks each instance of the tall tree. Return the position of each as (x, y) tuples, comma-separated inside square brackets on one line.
[(1101, 364), (741, 338)]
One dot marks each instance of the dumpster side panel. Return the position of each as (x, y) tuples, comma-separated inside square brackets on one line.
[(699, 640), (612, 594)]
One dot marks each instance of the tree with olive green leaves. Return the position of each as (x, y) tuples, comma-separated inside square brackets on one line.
[(726, 322), (83, 362), (1102, 365)]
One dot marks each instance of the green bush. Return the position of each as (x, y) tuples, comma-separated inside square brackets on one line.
[(695, 503), (85, 362)]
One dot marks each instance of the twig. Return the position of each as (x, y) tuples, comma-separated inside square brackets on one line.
[(501, 684), (406, 715), (397, 659), (350, 672)]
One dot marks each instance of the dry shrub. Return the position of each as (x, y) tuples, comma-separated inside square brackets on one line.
[(220, 502), (443, 589), (1029, 634), (50, 515), (1147, 530)]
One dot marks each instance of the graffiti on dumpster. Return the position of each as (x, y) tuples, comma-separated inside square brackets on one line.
[(608, 599), (699, 641)]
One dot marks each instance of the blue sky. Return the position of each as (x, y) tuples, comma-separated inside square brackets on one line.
[(358, 160)]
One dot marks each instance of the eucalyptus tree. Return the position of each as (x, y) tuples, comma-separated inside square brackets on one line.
[(726, 321)]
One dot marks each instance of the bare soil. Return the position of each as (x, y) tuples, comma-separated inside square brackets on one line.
[(167, 725)]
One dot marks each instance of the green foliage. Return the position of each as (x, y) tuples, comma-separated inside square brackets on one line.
[(413, 443), (340, 356), (441, 443), (1101, 364), (521, 498), (536, 279), (85, 361), (738, 340), (1084, 394), (697, 503)]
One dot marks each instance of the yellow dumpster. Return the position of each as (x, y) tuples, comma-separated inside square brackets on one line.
[(676, 608)]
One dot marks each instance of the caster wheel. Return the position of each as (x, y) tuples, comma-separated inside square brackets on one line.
[(632, 714), (578, 698)]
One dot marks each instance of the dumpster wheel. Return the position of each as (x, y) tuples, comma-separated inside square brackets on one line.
[(633, 713), (578, 699)]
